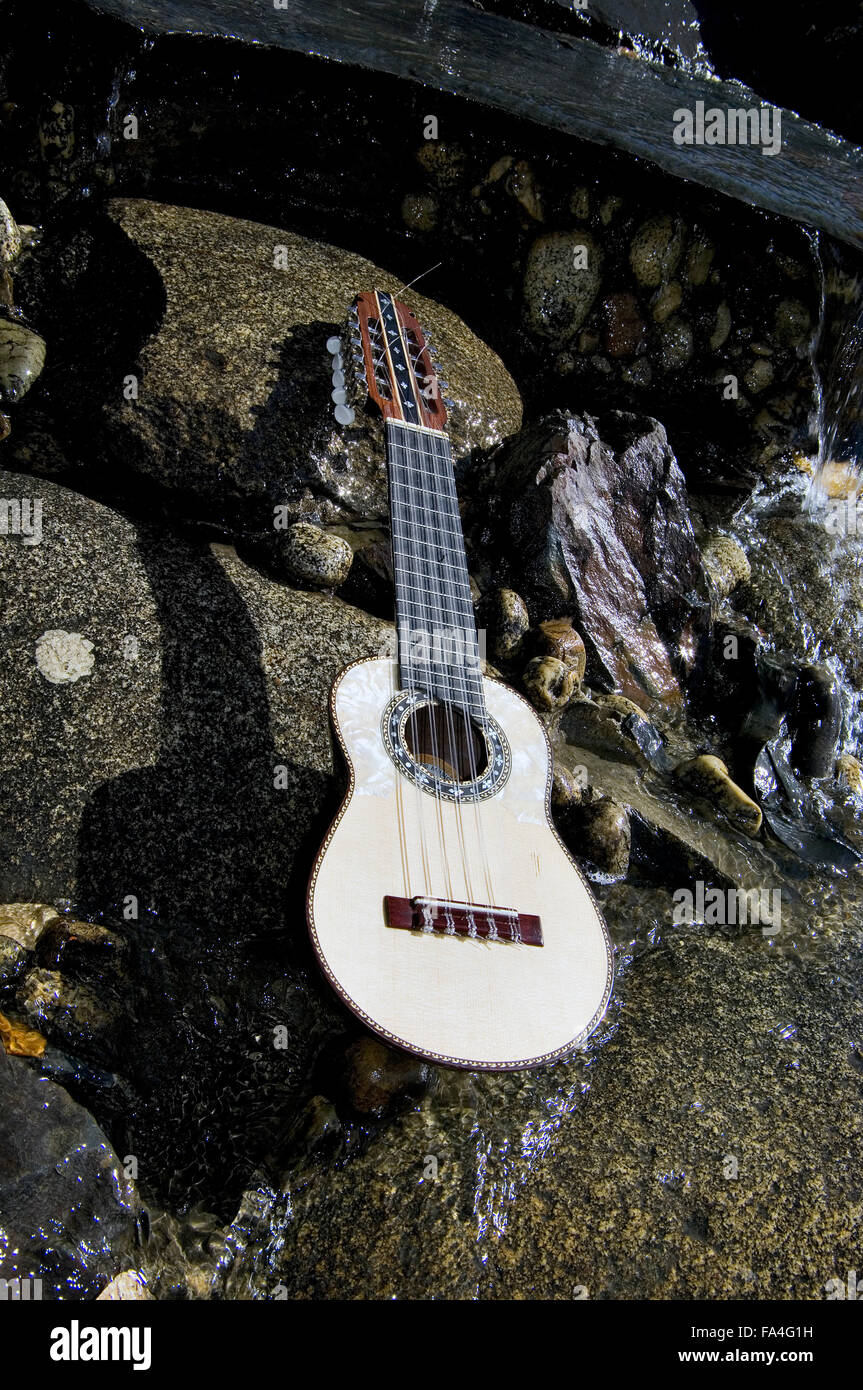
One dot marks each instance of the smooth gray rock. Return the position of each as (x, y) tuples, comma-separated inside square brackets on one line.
[(195, 759), (201, 374)]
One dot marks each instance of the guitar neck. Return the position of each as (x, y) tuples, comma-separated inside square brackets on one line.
[(438, 648)]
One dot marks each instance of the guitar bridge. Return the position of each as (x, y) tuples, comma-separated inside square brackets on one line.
[(477, 920)]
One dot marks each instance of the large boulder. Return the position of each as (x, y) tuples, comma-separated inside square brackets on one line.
[(727, 1177), (187, 759), (173, 787), (595, 525), (67, 1211), (702, 1154), (223, 325)]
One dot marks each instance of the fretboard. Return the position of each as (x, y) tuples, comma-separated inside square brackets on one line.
[(438, 649)]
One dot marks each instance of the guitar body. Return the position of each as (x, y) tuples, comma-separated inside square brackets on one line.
[(456, 998)]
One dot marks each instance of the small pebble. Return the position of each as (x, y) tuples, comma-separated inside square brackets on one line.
[(557, 637), (314, 557), (550, 685), (709, 778), (509, 622), (726, 563)]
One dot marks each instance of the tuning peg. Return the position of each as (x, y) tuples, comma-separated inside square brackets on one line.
[(344, 415), (338, 378), (448, 402), (339, 395), (337, 362), (334, 346), (444, 385)]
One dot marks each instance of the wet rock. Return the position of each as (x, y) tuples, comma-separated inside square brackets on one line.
[(696, 1142), (721, 327), (567, 790), (443, 162), (378, 1077), (79, 949), (676, 344), (726, 563), (708, 777), (509, 622), (558, 638), (638, 373), (204, 663), (656, 249), (561, 280), (599, 831), (313, 557), (594, 523), (14, 960), (524, 188), (579, 203), (17, 1040), (419, 212), (126, 1287), (598, 723), (625, 329), (10, 236), (699, 258), (71, 1015), (549, 683), (806, 588), (25, 922), (849, 770), (792, 323), (22, 357), (815, 721), (204, 370), (57, 132), (66, 1210), (317, 1123), (759, 376), (666, 301)]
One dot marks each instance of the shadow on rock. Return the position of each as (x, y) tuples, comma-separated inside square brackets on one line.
[(202, 860)]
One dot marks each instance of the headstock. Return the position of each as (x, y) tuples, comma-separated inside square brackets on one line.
[(392, 364)]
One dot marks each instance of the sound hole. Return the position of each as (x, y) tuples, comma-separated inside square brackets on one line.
[(442, 736)]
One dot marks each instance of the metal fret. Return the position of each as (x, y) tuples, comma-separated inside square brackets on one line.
[(427, 511), (436, 546), (423, 572), (457, 613)]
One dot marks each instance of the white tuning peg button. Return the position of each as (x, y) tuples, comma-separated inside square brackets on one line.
[(338, 379), (339, 396), (344, 415), (334, 346), (338, 363)]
